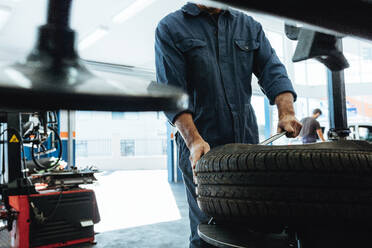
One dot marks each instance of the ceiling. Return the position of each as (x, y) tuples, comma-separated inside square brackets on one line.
[(128, 43)]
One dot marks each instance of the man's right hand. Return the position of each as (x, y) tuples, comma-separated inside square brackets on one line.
[(194, 142), (197, 149)]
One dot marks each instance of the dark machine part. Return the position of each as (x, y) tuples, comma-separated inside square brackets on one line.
[(54, 77), (54, 219), (291, 31), (65, 179), (14, 148), (327, 49), (232, 236), (351, 18), (14, 179), (339, 128), (322, 47)]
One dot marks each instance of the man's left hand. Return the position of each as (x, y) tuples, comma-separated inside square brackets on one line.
[(287, 118), (290, 124)]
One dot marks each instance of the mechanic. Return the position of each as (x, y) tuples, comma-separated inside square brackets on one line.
[(311, 129), (211, 53)]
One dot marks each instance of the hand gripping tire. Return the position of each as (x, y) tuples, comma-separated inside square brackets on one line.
[(324, 180)]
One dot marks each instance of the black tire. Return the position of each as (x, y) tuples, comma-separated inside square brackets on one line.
[(325, 180)]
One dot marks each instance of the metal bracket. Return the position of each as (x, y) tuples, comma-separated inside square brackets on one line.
[(341, 134), (327, 49), (320, 46)]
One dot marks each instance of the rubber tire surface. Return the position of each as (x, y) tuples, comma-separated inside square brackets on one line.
[(324, 180)]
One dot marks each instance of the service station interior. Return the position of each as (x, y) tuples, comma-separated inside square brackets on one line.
[(88, 158)]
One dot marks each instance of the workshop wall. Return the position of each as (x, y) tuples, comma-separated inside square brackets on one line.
[(121, 141)]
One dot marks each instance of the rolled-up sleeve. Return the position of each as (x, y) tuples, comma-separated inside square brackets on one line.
[(271, 73), (170, 66)]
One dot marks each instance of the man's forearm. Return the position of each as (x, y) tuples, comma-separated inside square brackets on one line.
[(196, 144), (320, 134), (284, 103), (185, 124)]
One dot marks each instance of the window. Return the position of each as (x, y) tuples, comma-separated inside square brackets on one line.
[(365, 133), (83, 115), (125, 115), (82, 148), (258, 104), (359, 55), (99, 147), (316, 73), (302, 109), (161, 116), (164, 146), (93, 148), (127, 147), (367, 53), (300, 73), (117, 115), (276, 41), (352, 132)]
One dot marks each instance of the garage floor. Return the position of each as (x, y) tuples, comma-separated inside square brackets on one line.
[(141, 209), (138, 209)]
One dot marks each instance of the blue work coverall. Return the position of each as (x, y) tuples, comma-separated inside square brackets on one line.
[(213, 59)]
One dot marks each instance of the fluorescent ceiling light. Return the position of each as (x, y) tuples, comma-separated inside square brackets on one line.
[(132, 10), (4, 15), (92, 38)]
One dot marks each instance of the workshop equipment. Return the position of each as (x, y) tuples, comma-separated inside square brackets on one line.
[(41, 135), (54, 77), (54, 218), (42, 206)]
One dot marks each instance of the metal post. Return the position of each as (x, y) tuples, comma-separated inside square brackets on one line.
[(14, 167), (70, 145), (56, 39), (3, 152), (59, 13), (170, 154), (337, 103)]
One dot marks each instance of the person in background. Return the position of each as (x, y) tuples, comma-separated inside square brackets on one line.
[(311, 129)]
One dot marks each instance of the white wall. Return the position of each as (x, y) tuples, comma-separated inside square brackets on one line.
[(148, 130), (124, 163)]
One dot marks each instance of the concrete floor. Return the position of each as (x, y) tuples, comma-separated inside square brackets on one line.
[(141, 209)]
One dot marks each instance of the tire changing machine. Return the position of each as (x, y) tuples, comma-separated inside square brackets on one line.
[(327, 49), (60, 213)]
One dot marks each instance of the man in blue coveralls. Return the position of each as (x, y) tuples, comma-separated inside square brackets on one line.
[(211, 53)]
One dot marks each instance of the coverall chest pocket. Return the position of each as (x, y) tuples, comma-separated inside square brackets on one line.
[(194, 50), (245, 49)]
